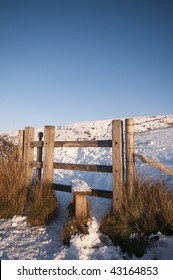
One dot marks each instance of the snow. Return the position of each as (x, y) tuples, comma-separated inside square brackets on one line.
[(79, 186), (153, 137)]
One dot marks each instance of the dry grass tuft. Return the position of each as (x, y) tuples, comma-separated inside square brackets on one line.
[(13, 190), (42, 206), (7, 145), (149, 211), (16, 197)]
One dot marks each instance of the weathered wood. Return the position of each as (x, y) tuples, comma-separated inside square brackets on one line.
[(117, 163), (48, 155), (73, 166), (101, 193), (75, 144), (83, 167), (89, 143), (28, 154), (156, 164), (21, 134), (39, 157), (36, 164), (94, 192), (80, 193), (80, 206), (130, 161), (37, 144)]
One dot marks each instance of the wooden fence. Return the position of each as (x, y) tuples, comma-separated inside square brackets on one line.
[(45, 164)]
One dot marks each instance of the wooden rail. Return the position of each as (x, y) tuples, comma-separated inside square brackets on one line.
[(156, 164), (73, 166), (94, 192), (75, 144)]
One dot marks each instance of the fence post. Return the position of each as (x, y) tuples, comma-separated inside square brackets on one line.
[(28, 153), (130, 159), (117, 163), (21, 134), (48, 155), (39, 157)]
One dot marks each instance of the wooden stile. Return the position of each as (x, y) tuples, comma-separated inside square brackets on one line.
[(117, 163), (130, 159), (81, 204), (48, 155), (28, 154), (80, 191), (26, 145)]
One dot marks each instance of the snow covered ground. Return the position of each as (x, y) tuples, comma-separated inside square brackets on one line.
[(153, 137)]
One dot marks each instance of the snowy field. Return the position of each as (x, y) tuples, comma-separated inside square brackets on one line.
[(153, 138)]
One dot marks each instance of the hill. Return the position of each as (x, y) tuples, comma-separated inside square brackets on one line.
[(153, 137)]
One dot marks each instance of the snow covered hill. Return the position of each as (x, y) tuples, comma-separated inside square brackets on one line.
[(153, 137)]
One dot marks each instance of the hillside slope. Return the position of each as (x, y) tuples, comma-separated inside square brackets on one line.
[(153, 137)]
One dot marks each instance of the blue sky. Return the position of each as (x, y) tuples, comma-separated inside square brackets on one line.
[(66, 61)]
